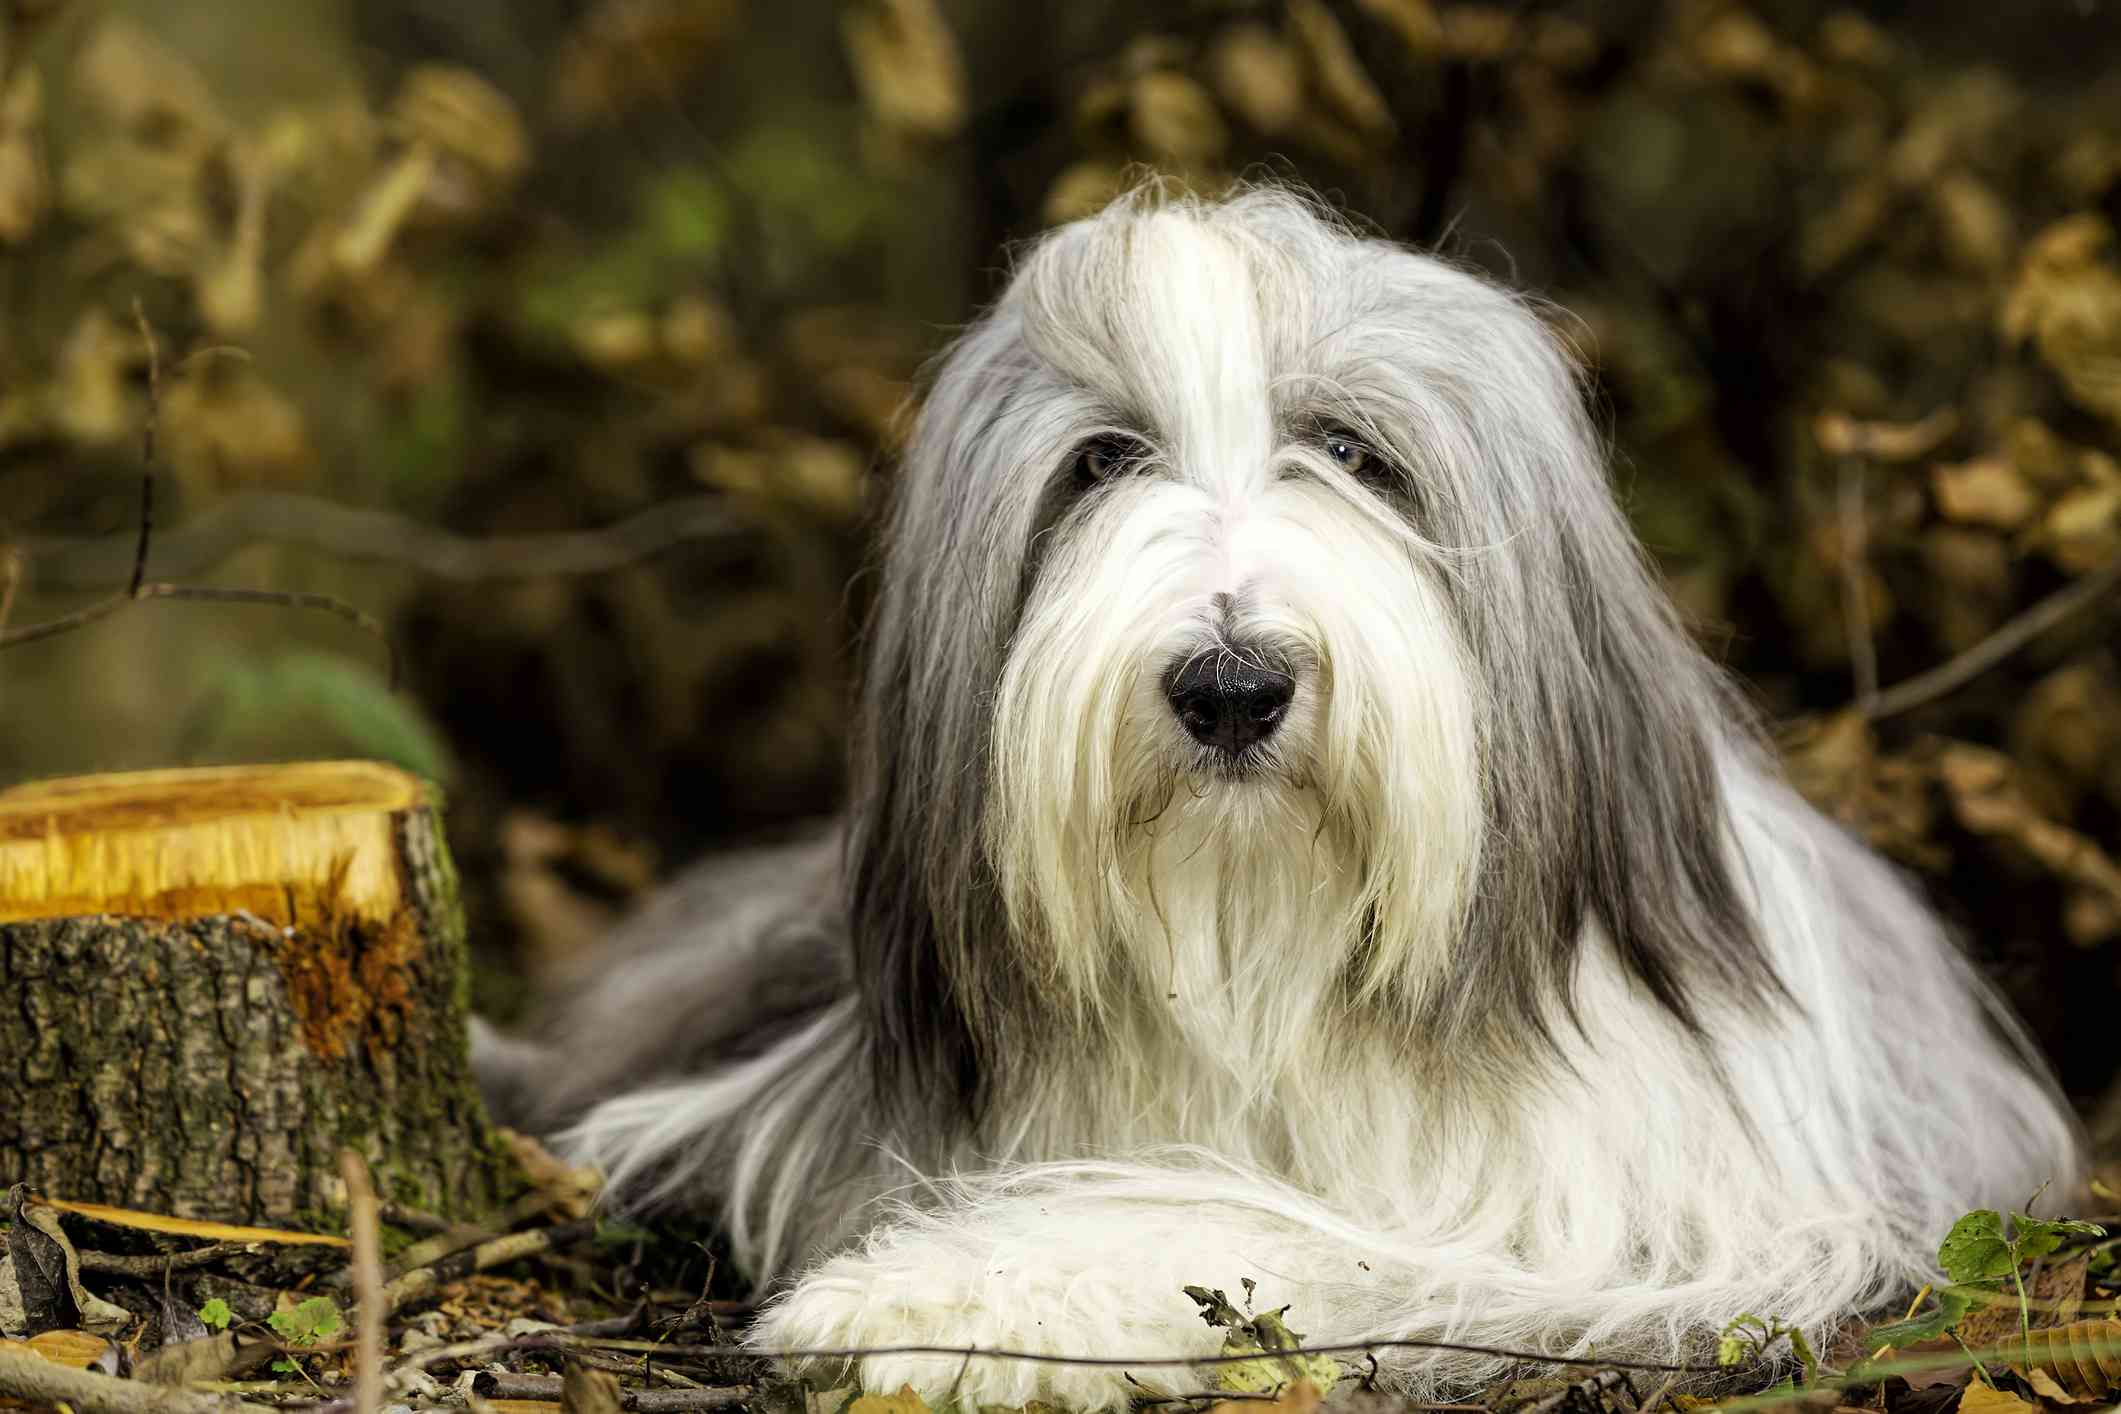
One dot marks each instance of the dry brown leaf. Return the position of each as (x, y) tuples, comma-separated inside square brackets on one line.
[(2084, 1356), (2082, 530), (1840, 435), (572, 1191), (1973, 223), (904, 1402), (2067, 300), (587, 1391), (1986, 491), (1174, 120), (1342, 81), (1981, 1398), (1296, 1397), (1414, 21), (627, 54), (1988, 800), (181, 1362), (1082, 190), (1260, 75), (77, 1350), (2044, 1385), (190, 1227), (22, 182), (907, 65), (1479, 33)]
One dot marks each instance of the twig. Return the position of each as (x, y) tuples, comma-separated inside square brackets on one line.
[(366, 1232), (422, 1282), (1961, 669), (350, 533), (10, 578), (148, 427), (502, 1385), (1595, 1385), (137, 588), (153, 1266), (39, 1381), (1650, 1405), (398, 1215), (277, 598), (1352, 1347), (1855, 605)]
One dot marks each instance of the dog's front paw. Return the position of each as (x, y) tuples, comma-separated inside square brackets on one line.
[(919, 1293)]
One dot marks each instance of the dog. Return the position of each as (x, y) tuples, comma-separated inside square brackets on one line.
[(1294, 843)]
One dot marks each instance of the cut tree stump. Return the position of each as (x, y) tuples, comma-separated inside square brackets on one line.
[(212, 981)]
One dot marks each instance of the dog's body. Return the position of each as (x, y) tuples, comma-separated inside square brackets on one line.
[(1294, 842)]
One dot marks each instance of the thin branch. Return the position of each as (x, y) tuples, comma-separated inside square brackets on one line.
[(366, 1231), (38, 1380), (1855, 603), (1961, 669), (137, 588), (350, 533), (148, 426), (155, 1265), (1352, 1347), (10, 578), (422, 1282), (504, 1385)]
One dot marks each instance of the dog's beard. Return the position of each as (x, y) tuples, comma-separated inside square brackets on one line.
[(1248, 899)]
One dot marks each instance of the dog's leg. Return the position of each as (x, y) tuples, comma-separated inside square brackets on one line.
[(1065, 1264)]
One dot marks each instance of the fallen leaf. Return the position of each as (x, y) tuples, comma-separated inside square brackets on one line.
[(1987, 491), (2044, 1385), (184, 1361), (1346, 86), (190, 1227), (907, 65), (2084, 1356), (1986, 1399), (1174, 120), (904, 1402), (587, 1391)]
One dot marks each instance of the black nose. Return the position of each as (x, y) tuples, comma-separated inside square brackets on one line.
[(1224, 701)]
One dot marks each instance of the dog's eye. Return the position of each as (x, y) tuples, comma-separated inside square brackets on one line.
[(1103, 458), (1352, 456)]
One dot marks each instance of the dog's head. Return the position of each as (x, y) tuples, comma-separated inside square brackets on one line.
[(1256, 623)]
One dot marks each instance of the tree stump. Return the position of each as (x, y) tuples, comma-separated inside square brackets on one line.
[(213, 980)]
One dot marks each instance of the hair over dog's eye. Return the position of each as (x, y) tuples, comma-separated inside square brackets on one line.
[(1103, 458)]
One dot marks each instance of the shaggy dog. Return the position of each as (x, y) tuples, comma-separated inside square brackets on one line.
[(1293, 841)]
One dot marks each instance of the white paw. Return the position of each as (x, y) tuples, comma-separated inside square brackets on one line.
[(909, 1291)]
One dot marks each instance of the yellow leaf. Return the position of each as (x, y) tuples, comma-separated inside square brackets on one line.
[(1982, 1399), (2044, 1385), (188, 1227), (904, 1402)]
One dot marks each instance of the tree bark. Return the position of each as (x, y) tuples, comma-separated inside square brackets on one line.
[(211, 981)]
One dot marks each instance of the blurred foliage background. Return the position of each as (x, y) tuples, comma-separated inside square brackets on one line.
[(570, 339)]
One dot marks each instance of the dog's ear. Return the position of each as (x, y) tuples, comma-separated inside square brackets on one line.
[(1608, 733), (927, 924)]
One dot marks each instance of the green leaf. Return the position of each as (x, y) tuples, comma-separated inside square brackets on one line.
[(2039, 1236), (314, 1320), (1730, 1350), (287, 1367), (1802, 1348), (1953, 1302), (1975, 1249), (216, 1314)]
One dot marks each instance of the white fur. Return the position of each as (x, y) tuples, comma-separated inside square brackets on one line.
[(1215, 1007)]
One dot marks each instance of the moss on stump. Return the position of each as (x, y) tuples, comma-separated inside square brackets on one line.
[(213, 980)]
